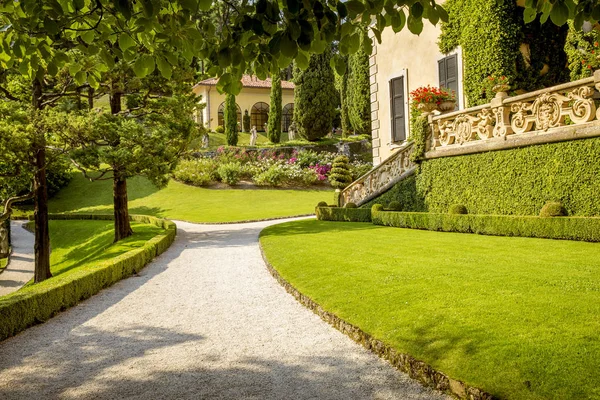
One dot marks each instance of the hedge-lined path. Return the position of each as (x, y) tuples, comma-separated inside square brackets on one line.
[(20, 268), (204, 320)]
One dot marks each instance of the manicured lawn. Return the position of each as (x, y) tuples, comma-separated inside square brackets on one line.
[(77, 243), (189, 203), (517, 317), (3, 262)]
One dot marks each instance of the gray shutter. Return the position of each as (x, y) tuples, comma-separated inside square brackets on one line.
[(448, 68), (397, 109), (442, 70)]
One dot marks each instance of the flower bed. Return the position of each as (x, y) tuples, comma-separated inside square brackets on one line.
[(267, 167)]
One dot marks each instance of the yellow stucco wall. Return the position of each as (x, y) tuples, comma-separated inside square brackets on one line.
[(402, 54), (245, 100)]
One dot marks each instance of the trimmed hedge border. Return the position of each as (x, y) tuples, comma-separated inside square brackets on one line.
[(343, 214), (416, 369), (566, 228), (38, 303)]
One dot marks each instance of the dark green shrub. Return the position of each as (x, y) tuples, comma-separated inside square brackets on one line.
[(220, 129), (230, 173), (274, 122), (358, 92), (343, 214), (246, 121), (394, 206), (377, 207), (230, 120), (350, 205), (322, 204), (340, 175), (457, 209), (553, 209)]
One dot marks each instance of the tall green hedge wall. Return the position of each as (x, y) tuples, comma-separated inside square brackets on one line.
[(508, 182)]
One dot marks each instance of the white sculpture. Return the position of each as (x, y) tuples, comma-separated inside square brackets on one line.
[(292, 132), (205, 141), (253, 135)]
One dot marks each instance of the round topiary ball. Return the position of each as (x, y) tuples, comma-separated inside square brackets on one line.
[(457, 209), (394, 206), (553, 209), (350, 205), (322, 204), (377, 207)]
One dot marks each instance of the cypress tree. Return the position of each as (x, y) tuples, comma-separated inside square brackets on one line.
[(274, 122), (315, 97), (358, 92), (230, 120), (341, 83)]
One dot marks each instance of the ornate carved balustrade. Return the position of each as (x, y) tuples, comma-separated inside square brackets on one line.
[(529, 114), (380, 178)]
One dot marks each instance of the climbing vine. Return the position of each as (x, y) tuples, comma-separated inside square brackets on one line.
[(582, 50), (497, 42)]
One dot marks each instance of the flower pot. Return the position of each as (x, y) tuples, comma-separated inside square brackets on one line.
[(446, 106), (427, 107), (503, 87)]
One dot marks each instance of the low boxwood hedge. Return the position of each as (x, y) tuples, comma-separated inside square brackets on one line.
[(343, 214), (37, 303), (569, 228)]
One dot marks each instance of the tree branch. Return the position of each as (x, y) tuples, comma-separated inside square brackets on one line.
[(9, 203), (8, 95)]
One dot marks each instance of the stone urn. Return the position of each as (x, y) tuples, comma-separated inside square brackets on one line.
[(446, 106), (501, 90), (427, 108)]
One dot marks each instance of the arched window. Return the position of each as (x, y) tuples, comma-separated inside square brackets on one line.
[(287, 116), (221, 115), (259, 115)]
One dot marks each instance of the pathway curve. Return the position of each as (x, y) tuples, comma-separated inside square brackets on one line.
[(20, 268), (205, 320)]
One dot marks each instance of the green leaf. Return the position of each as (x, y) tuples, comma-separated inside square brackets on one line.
[(149, 63), (319, 46), (289, 47), (143, 66), (442, 12), (415, 25), (125, 41), (88, 37), (148, 8), (560, 13), (354, 8), (338, 63), (293, 6), (416, 10), (74, 68), (93, 81), (205, 5), (50, 26), (164, 67), (342, 10), (224, 57), (80, 77), (398, 21), (52, 69), (224, 80), (529, 15)]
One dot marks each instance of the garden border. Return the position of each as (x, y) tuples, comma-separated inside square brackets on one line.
[(343, 214), (416, 369), (40, 302)]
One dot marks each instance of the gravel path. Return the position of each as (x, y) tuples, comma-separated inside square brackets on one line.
[(204, 321), (20, 268)]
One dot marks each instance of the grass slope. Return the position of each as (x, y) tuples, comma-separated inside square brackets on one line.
[(517, 317), (188, 203)]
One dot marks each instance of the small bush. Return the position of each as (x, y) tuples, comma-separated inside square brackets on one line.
[(322, 204), (394, 206), (230, 173), (220, 129), (274, 176), (343, 214), (457, 209), (553, 209), (350, 205), (199, 172), (340, 175), (377, 207)]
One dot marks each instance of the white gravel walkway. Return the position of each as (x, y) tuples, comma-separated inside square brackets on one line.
[(204, 321), (20, 268)]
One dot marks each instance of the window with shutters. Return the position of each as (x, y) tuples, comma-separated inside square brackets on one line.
[(448, 68), (397, 109)]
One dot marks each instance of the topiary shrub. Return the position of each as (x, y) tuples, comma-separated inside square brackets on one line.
[(220, 129), (246, 120), (376, 207), (322, 204), (553, 209), (230, 173), (457, 209), (394, 206), (340, 175), (350, 205), (230, 120)]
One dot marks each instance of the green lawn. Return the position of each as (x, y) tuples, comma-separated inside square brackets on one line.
[(517, 317), (188, 203), (77, 243), (3, 262)]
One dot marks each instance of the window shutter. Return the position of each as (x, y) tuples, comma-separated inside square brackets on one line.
[(442, 72), (448, 68), (398, 117)]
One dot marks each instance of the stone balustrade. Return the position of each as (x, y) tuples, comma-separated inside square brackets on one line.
[(380, 178), (534, 113)]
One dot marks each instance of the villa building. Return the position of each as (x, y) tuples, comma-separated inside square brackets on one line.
[(254, 98)]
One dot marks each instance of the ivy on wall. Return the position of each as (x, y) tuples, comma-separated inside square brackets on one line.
[(582, 51), (491, 34), (507, 182)]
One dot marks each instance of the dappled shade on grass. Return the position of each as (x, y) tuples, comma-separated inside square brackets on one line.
[(183, 202), (517, 317)]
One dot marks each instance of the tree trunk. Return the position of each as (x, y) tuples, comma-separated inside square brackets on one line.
[(115, 103), (90, 94), (40, 196), (121, 210)]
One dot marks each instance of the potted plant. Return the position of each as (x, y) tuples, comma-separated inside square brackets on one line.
[(499, 85), (428, 98)]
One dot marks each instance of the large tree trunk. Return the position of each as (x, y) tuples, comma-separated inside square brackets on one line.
[(121, 210), (40, 196)]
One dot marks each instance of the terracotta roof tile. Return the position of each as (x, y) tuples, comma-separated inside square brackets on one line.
[(249, 81)]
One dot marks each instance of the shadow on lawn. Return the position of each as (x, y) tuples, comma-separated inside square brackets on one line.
[(316, 227)]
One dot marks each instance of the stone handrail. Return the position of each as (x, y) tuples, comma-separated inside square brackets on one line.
[(380, 178), (530, 113)]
